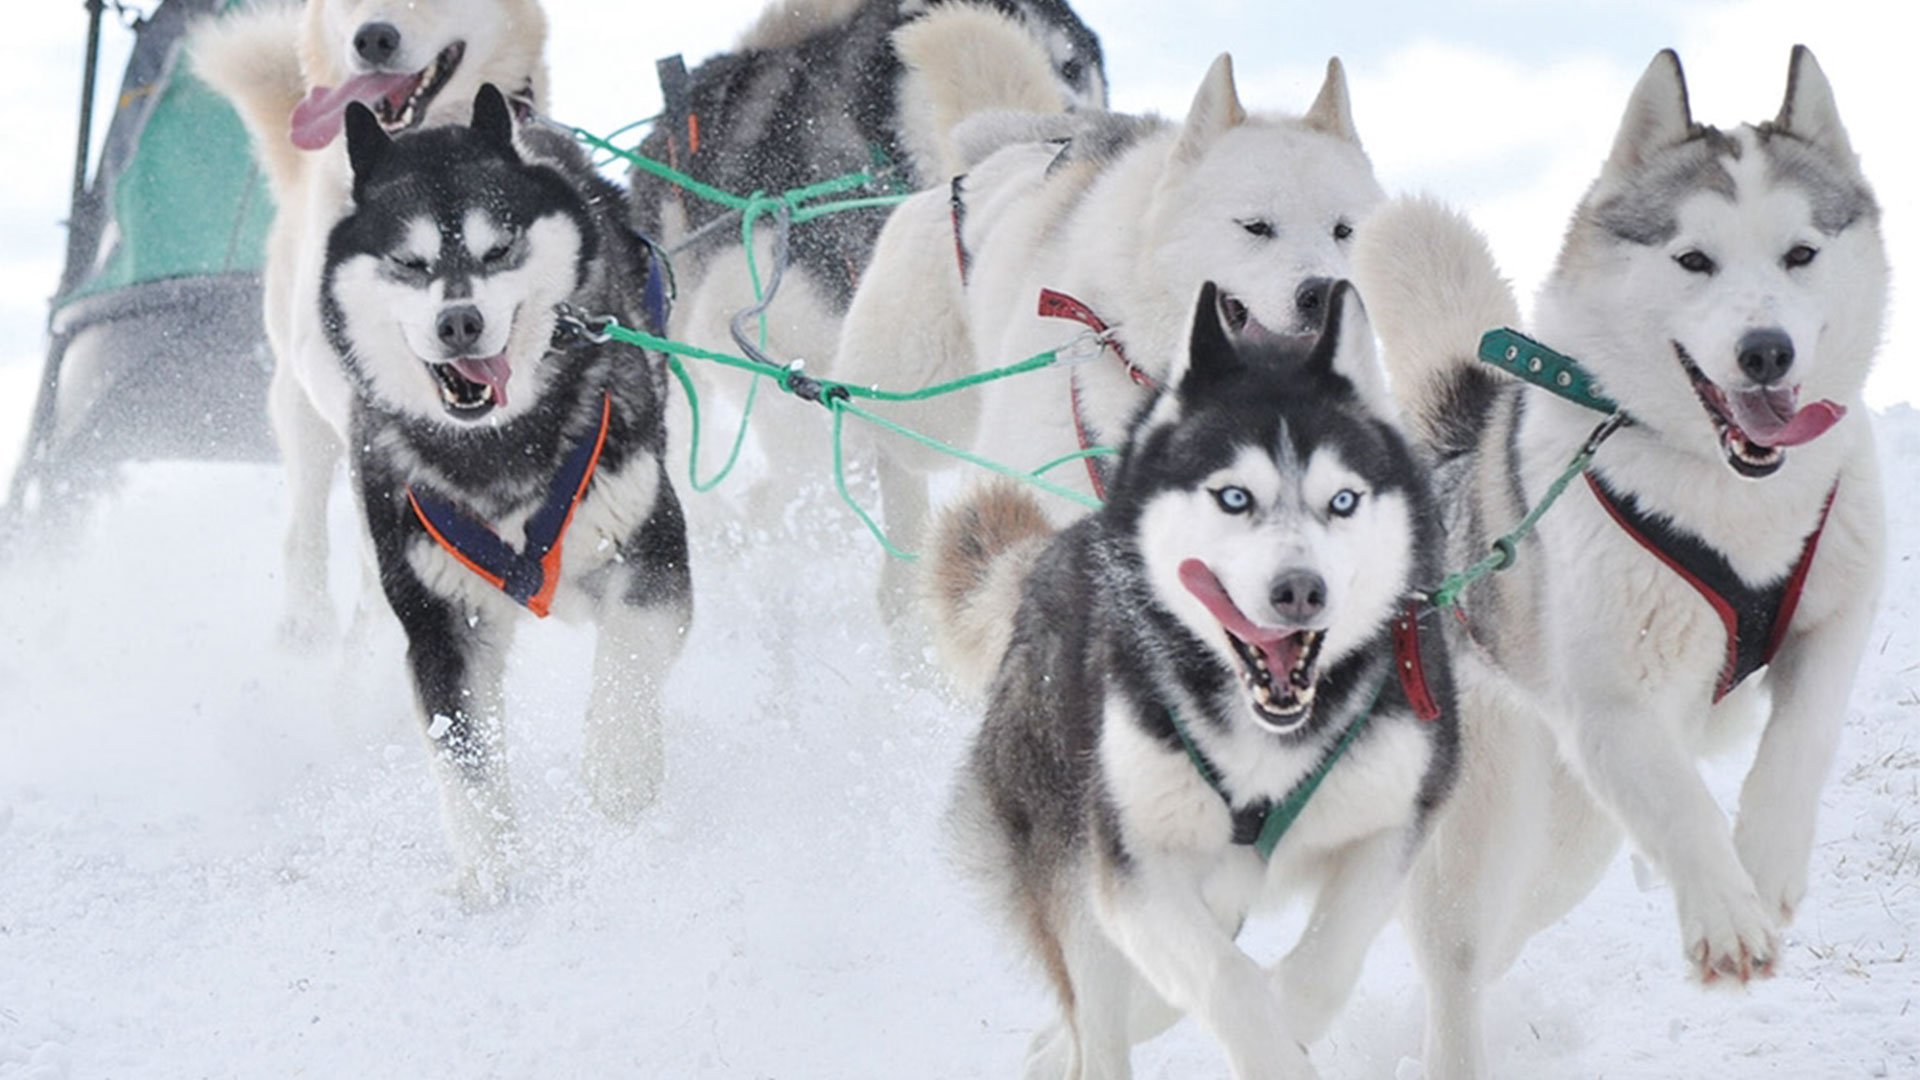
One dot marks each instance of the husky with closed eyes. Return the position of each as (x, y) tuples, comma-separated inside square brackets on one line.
[(1167, 679), (1723, 554), (1060, 228), (501, 468)]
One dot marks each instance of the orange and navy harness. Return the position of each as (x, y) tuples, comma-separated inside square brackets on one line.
[(530, 576), (1756, 619)]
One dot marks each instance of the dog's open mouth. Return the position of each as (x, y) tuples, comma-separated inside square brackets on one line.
[(1278, 667), (405, 106), (1757, 425), (472, 387), (399, 100)]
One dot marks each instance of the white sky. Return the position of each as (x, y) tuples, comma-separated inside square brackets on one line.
[(1505, 107)]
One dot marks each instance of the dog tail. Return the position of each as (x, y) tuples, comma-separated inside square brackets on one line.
[(978, 559), (963, 59), (252, 58), (1432, 289)]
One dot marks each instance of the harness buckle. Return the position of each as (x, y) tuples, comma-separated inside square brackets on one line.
[(575, 329), (1087, 345)]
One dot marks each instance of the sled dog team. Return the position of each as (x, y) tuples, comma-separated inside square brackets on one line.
[(1227, 681)]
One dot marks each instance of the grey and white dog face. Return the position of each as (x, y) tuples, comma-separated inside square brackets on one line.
[(1741, 274), (1273, 493), (441, 285), (1264, 207), (1074, 50)]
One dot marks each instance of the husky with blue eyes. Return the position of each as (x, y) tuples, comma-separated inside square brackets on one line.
[(1215, 690)]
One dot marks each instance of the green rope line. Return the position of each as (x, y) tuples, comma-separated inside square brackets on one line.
[(1506, 549)]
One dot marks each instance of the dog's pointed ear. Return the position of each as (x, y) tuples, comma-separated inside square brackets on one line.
[(492, 120), (1211, 352), (367, 144), (1215, 111), (1346, 349), (1809, 111), (1657, 116), (1332, 111)]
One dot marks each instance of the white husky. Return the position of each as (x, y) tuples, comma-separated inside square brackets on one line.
[(1125, 216), (291, 72), (1727, 289)]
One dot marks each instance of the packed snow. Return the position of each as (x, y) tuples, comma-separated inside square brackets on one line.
[(219, 859)]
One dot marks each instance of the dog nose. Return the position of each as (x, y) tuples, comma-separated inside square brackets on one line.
[(1766, 355), (1299, 596), (376, 43), (1310, 300), (459, 327)]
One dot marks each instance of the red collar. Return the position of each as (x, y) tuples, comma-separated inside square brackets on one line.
[(1058, 305)]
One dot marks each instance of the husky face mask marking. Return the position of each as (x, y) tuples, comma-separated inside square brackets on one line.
[(1286, 550), (1265, 210), (443, 292), (1739, 261)]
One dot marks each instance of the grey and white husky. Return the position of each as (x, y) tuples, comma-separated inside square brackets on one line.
[(1168, 675), (1727, 289), (496, 470)]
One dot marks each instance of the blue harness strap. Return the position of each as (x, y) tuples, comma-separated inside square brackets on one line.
[(530, 577)]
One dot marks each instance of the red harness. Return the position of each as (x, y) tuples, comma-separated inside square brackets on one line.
[(1058, 305), (1756, 619)]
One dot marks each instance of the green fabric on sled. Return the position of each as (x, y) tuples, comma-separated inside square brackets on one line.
[(191, 202)]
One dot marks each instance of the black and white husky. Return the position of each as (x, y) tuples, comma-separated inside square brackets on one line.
[(1727, 289), (1169, 677), (496, 469)]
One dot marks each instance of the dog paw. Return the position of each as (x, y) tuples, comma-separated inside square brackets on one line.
[(1305, 1003), (309, 630), (622, 786), (1779, 875), (1728, 935)]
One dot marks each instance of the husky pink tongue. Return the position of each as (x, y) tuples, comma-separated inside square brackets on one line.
[(491, 370), (1767, 417), (317, 120), (1281, 647)]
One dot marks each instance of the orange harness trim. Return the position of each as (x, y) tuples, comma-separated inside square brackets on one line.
[(530, 576)]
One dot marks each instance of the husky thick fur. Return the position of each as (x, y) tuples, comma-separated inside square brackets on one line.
[(290, 71), (1266, 526), (817, 90), (439, 295), (1127, 215), (1728, 289)]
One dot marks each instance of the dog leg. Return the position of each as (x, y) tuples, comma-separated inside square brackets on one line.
[(1630, 756), (1154, 912), (1318, 974), (1092, 1041), (309, 448), (1780, 800), (642, 630), (625, 759)]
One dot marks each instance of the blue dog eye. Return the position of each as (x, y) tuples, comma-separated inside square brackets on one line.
[(1345, 502), (1234, 500)]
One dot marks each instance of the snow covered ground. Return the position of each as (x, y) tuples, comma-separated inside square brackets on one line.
[(218, 860)]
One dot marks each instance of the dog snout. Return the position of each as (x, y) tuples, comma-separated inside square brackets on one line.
[(377, 43), (1310, 300), (1766, 355), (1299, 596), (460, 328)]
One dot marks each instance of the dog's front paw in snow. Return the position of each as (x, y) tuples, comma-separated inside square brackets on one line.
[(624, 767), (1727, 932), (1306, 1002), (1778, 868)]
